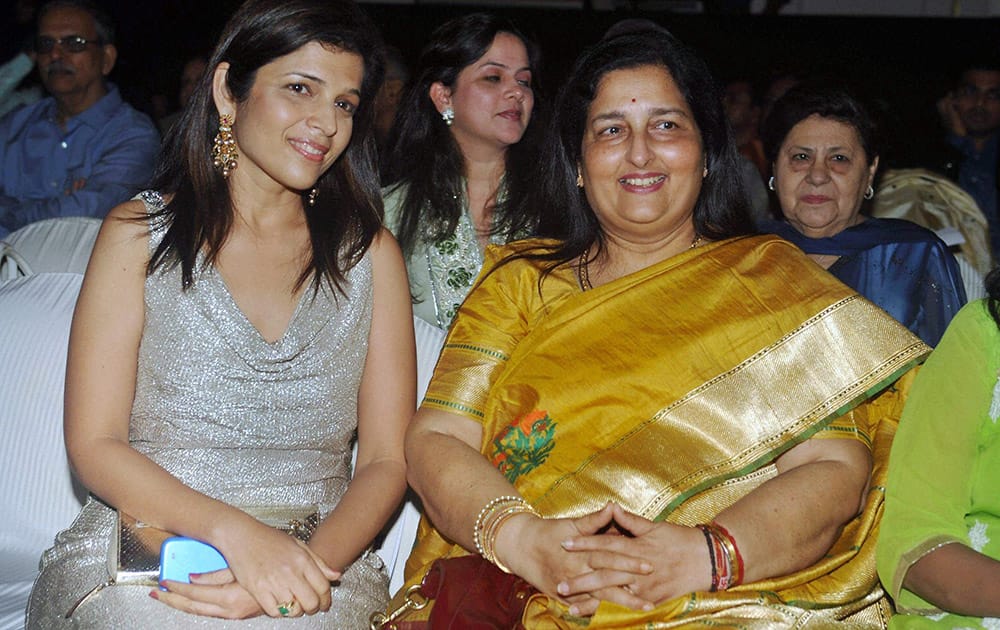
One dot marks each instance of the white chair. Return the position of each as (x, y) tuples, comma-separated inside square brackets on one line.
[(402, 533), (51, 245), (38, 497), (931, 200)]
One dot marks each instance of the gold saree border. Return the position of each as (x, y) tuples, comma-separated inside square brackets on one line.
[(858, 352)]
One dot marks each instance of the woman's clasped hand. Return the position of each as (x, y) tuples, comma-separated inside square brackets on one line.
[(268, 569), (581, 560)]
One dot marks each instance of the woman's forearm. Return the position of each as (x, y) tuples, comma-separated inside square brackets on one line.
[(958, 579), (134, 484), (371, 499), (792, 520), (452, 478)]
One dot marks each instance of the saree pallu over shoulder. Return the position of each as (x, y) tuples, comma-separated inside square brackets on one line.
[(672, 391)]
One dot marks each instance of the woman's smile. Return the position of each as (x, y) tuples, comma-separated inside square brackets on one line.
[(312, 151), (642, 183)]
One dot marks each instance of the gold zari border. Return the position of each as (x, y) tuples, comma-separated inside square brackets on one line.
[(854, 351)]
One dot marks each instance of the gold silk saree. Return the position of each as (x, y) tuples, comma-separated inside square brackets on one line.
[(672, 391)]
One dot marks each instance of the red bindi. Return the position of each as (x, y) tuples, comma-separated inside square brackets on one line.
[(633, 100)]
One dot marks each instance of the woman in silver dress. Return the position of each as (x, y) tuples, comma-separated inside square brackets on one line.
[(234, 331)]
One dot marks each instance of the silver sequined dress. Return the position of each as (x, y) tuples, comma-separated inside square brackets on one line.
[(242, 420)]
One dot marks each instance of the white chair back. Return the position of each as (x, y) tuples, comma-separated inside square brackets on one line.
[(12, 264), (931, 200), (51, 245), (38, 496)]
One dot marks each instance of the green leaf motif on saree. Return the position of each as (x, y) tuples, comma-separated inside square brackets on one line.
[(524, 445)]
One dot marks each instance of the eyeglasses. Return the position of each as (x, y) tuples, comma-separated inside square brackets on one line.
[(70, 43)]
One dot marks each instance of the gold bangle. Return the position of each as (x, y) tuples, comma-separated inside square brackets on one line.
[(490, 537), (484, 514), (735, 557), (493, 515)]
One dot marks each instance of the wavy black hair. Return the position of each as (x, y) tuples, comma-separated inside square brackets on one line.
[(423, 155), (348, 209)]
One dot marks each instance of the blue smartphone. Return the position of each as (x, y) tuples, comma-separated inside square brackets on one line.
[(181, 556)]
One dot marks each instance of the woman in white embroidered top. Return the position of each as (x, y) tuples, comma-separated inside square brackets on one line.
[(460, 158)]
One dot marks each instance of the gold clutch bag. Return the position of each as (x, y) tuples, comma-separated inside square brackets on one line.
[(134, 553)]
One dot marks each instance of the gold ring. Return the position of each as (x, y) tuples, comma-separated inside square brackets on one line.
[(285, 608)]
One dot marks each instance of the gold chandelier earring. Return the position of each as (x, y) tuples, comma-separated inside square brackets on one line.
[(224, 146)]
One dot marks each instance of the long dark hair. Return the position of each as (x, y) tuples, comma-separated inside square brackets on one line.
[(993, 294), (721, 210), (348, 208), (424, 156)]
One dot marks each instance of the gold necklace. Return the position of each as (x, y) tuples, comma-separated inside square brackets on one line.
[(583, 268), (583, 273)]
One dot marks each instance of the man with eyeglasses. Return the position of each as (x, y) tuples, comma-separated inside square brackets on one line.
[(82, 150), (972, 115)]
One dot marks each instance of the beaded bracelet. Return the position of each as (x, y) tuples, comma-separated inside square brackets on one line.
[(711, 556), (493, 515)]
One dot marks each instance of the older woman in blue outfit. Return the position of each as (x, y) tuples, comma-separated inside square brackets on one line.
[(822, 145)]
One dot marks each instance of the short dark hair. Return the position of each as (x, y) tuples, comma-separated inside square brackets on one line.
[(822, 99), (102, 20), (986, 63), (721, 210), (348, 208)]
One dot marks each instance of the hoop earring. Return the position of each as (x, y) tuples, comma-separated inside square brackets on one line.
[(311, 198), (224, 146), (770, 183), (869, 192), (448, 116)]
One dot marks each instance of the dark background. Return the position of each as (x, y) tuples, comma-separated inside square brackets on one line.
[(902, 65)]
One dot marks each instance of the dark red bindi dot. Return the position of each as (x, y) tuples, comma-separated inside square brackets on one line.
[(633, 100)]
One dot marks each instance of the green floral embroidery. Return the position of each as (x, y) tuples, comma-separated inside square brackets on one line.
[(459, 278), (447, 245), (524, 445)]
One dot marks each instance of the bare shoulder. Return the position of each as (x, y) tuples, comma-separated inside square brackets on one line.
[(127, 219), (384, 244), (385, 253), (124, 238)]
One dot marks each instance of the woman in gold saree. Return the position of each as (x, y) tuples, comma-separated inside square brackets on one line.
[(654, 419)]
